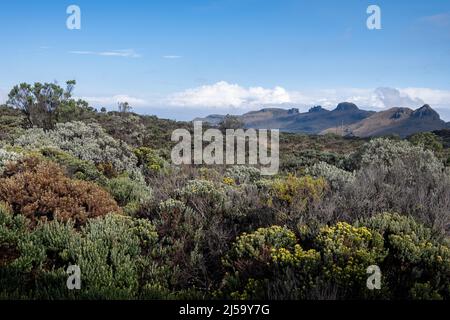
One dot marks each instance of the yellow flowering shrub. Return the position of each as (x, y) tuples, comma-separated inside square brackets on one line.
[(347, 251), (418, 264), (292, 189), (259, 262), (228, 181)]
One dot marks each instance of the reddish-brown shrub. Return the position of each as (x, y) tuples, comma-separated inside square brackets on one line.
[(40, 190)]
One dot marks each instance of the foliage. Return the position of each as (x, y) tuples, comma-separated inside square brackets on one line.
[(196, 232), (74, 167), (116, 256), (128, 193), (336, 177), (347, 251), (385, 152), (149, 159), (243, 174), (124, 107), (43, 105), (397, 176), (271, 263), (11, 124), (428, 141), (40, 191), (295, 199), (203, 196), (87, 142), (293, 189), (7, 157), (418, 264)]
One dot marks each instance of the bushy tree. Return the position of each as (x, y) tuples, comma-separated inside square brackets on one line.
[(44, 104)]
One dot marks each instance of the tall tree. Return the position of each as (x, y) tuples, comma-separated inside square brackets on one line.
[(124, 107), (40, 103)]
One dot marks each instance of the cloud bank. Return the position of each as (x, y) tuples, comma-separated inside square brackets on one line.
[(225, 95)]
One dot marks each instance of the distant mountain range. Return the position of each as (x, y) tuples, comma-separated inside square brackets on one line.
[(347, 119)]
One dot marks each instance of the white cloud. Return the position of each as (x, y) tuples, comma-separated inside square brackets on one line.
[(114, 100), (390, 98), (172, 57), (431, 96), (128, 53), (224, 94)]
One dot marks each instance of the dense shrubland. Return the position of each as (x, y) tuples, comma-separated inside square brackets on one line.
[(99, 192)]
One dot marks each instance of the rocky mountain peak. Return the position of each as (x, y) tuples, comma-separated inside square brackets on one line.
[(346, 106), (426, 112)]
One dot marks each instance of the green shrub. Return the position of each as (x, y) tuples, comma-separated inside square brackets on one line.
[(347, 252), (114, 253), (149, 159), (74, 167), (268, 264), (418, 263), (428, 141), (272, 263), (128, 193), (243, 174), (295, 199), (203, 196), (395, 176)]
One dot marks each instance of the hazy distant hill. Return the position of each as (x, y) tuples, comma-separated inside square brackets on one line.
[(347, 119)]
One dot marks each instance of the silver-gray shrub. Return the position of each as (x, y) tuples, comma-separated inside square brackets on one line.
[(85, 141), (243, 174), (397, 176), (7, 156), (336, 177), (385, 152)]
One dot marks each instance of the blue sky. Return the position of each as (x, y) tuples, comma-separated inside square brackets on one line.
[(180, 59)]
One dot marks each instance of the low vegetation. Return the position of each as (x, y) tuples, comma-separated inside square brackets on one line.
[(98, 190)]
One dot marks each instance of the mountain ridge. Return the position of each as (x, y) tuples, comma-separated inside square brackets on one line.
[(346, 119)]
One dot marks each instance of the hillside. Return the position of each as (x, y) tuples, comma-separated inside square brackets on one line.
[(398, 121), (104, 182), (346, 119), (314, 121)]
